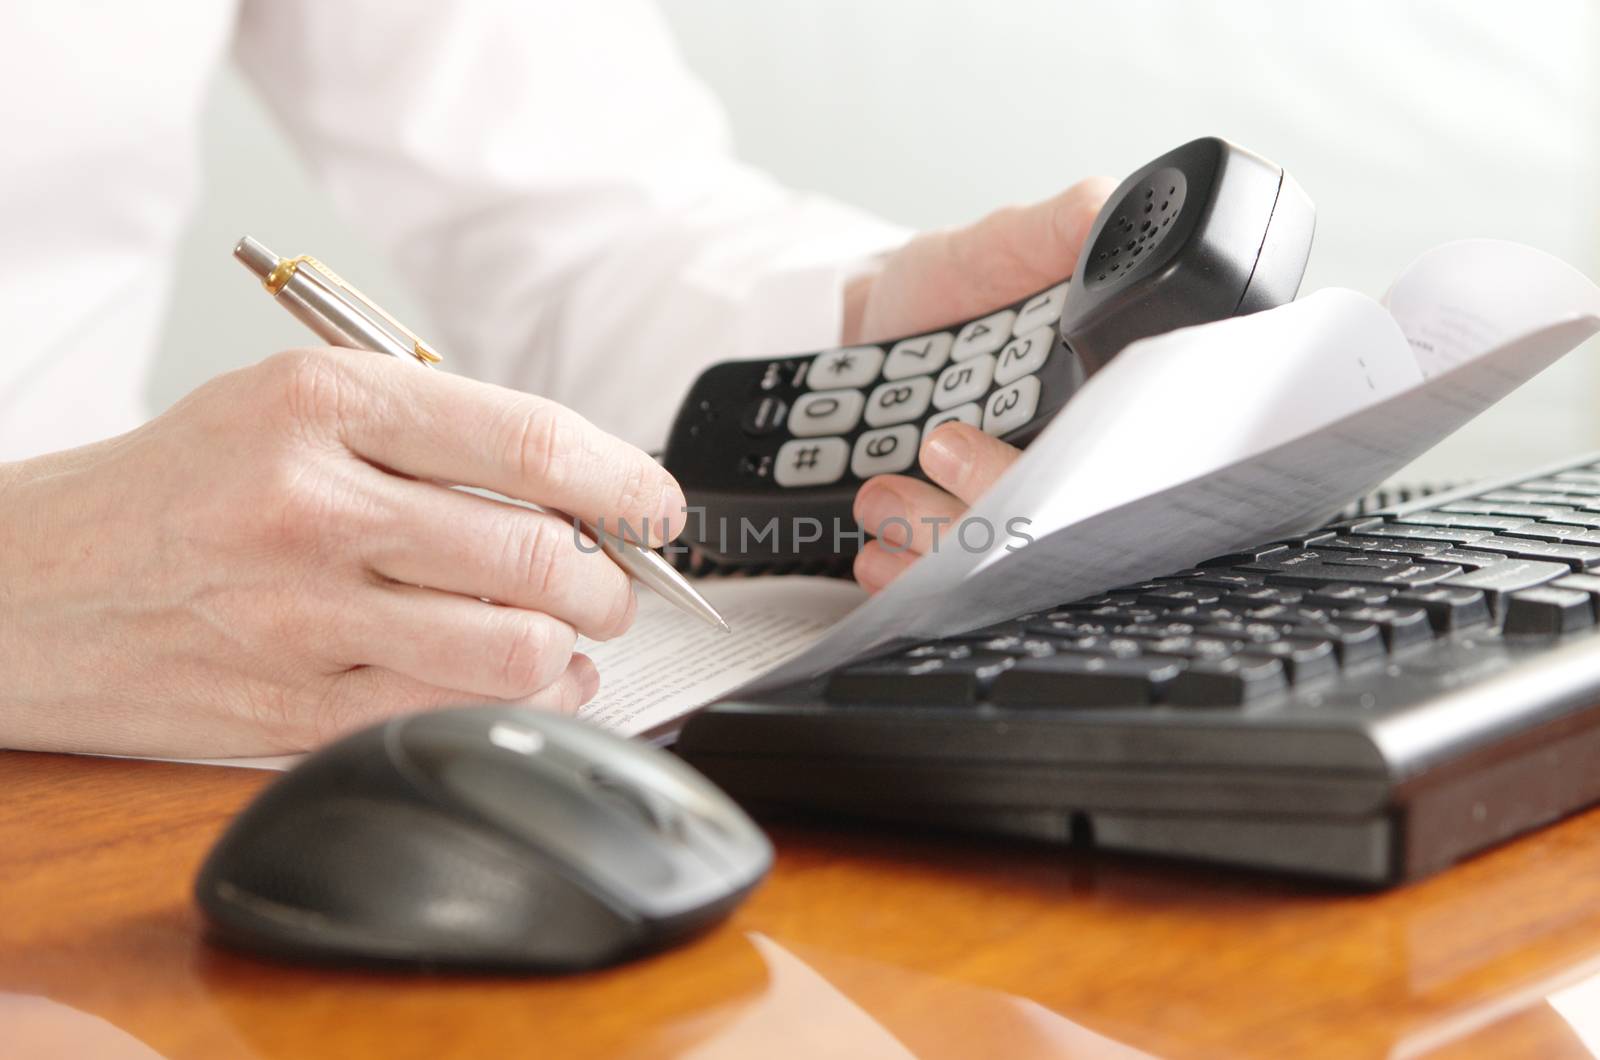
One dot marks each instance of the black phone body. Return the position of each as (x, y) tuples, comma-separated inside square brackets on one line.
[(770, 452)]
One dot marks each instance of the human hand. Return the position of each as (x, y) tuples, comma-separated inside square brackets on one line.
[(277, 560), (963, 462), (936, 279)]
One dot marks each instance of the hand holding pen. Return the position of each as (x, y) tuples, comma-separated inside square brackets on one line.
[(277, 559)]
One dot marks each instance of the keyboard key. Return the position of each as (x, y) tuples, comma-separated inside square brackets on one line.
[(1443, 534), (1315, 568), (825, 412), (1226, 682), (1011, 408), (1042, 310), (1179, 596), (1527, 511), (1568, 517), (923, 355), (1577, 535), (1587, 583), (1578, 557), (963, 381), (1566, 486), (1263, 596), (899, 402), (1337, 596), (984, 335), (1468, 559), (1023, 355), (811, 462), (937, 682), (1353, 642), (1249, 555), (1303, 658), (884, 452), (1018, 644), (1085, 681), (1508, 576), (1456, 519), (1402, 627), (853, 366), (1395, 546), (1449, 609), (1521, 496), (1548, 611)]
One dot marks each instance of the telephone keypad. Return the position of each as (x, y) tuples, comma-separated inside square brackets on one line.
[(830, 419), (984, 335), (825, 412), (1011, 406), (963, 381), (922, 355), (899, 402), (885, 451), (811, 462), (852, 366)]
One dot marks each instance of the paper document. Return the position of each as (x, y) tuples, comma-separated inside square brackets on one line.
[(666, 665), (1214, 438)]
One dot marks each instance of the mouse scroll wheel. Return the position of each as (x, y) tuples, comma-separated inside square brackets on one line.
[(655, 811)]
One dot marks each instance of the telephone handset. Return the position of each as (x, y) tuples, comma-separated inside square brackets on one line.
[(770, 452)]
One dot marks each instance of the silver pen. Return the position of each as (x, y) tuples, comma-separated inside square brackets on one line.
[(342, 316)]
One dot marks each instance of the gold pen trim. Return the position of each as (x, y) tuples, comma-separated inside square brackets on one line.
[(287, 267)]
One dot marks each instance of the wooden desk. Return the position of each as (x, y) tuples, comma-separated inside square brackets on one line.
[(860, 944)]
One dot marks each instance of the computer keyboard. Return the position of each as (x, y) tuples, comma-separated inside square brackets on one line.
[(1369, 701)]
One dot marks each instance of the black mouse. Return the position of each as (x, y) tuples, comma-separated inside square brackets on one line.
[(481, 838)]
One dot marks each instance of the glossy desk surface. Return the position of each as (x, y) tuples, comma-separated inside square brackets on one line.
[(861, 944)]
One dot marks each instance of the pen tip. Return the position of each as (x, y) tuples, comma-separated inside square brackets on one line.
[(722, 624)]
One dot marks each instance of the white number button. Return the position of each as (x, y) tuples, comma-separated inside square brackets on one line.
[(1042, 310), (970, 413), (811, 462), (1024, 356), (899, 402), (1011, 407), (851, 366), (825, 412), (984, 335), (963, 381), (884, 452), (923, 355)]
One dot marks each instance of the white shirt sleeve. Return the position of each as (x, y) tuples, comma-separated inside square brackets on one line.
[(559, 190)]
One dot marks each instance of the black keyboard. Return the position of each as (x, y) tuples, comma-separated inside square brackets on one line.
[(1370, 701)]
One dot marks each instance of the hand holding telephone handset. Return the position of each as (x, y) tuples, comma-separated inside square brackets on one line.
[(770, 452)]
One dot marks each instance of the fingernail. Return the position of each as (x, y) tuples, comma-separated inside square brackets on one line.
[(945, 454), (673, 514), (880, 512), (588, 679)]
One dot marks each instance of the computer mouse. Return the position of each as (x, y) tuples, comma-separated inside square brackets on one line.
[(480, 838)]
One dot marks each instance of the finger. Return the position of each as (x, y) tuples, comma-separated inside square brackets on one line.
[(964, 460), (906, 514), (876, 566), (368, 694), (455, 642), (461, 543), (1015, 251), (435, 425)]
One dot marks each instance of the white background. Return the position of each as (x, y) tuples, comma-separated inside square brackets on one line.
[(1409, 123)]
